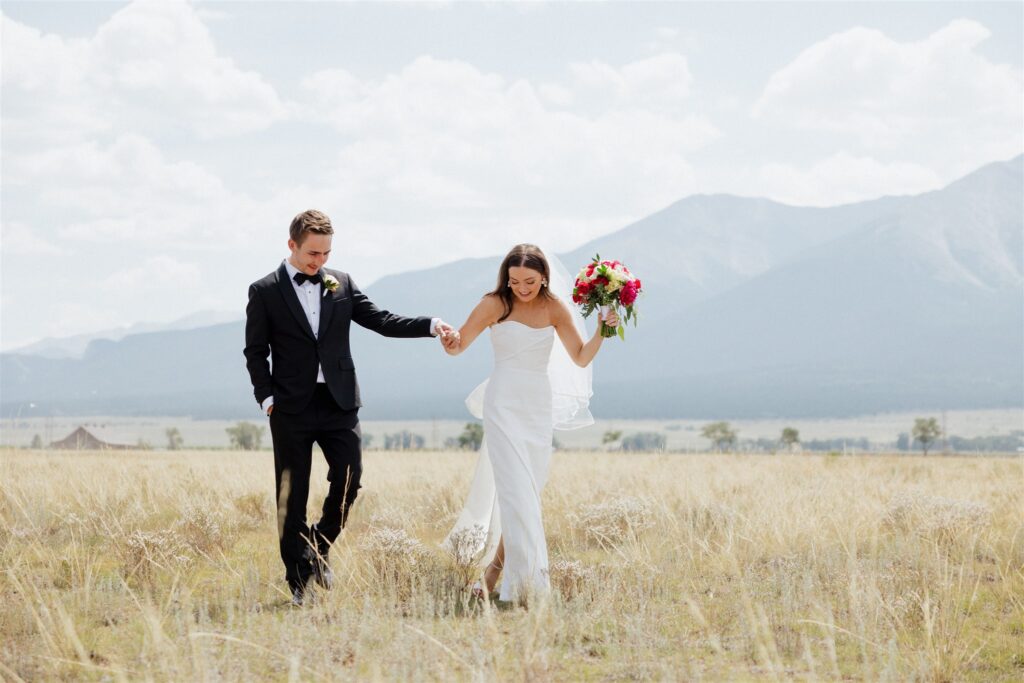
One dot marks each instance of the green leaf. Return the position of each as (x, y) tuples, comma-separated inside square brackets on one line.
[(622, 332)]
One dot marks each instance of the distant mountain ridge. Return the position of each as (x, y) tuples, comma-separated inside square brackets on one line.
[(753, 308), (75, 346)]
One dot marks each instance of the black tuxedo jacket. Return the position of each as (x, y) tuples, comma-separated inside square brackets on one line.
[(277, 326)]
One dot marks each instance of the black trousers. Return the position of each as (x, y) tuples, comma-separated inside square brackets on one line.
[(338, 435)]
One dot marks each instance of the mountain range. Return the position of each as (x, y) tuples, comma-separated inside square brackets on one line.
[(751, 308)]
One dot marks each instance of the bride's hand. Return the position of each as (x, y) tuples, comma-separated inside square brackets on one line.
[(451, 341), (612, 319)]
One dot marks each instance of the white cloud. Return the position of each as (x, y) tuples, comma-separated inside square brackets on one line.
[(155, 274), (689, 40), (151, 66), (441, 136), (127, 191), (555, 94), (663, 80), (937, 100), (78, 317), (843, 178), (19, 239)]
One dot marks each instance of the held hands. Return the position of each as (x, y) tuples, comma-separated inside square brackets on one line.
[(449, 337), (451, 341)]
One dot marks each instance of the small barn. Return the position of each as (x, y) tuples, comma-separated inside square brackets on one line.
[(83, 440)]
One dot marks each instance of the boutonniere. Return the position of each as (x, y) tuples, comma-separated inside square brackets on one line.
[(330, 283)]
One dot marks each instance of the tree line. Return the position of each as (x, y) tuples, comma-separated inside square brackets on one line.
[(722, 437)]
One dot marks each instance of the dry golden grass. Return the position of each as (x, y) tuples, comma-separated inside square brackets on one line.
[(164, 566)]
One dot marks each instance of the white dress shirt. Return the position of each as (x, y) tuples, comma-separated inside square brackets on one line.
[(309, 294)]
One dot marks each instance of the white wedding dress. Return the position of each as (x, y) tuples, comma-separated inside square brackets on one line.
[(534, 388)]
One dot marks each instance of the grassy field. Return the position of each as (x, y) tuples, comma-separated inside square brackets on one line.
[(164, 566)]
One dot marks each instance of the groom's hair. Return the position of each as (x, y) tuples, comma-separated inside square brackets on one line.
[(307, 222)]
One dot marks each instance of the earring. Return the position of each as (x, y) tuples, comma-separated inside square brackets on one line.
[(543, 283)]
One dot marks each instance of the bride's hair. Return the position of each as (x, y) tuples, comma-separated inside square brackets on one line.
[(523, 256)]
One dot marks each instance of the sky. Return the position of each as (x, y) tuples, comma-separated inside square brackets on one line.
[(153, 154)]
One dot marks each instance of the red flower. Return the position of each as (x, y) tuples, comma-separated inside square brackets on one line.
[(628, 294), (636, 281), (601, 281)]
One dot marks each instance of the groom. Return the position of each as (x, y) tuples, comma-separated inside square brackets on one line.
[(300, 316)]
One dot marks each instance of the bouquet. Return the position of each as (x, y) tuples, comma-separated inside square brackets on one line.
[(604, 285)]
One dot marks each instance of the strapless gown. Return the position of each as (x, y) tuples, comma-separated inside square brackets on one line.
[(515, 404)]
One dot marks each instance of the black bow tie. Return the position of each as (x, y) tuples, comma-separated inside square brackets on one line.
[(300, 278)]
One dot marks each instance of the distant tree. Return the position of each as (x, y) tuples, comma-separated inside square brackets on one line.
[(245, 436), (790, 437), (174, 439), (721, 434), (611, 435), (472, 436), (644, 441), (366, 439), (143, 445), (37, 442), (403, 441), (926, 431)]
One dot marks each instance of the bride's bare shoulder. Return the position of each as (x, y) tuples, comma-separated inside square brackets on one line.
[(491, 302), (489, 309)]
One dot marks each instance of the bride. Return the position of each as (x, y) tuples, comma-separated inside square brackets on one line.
[(536, 386)]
